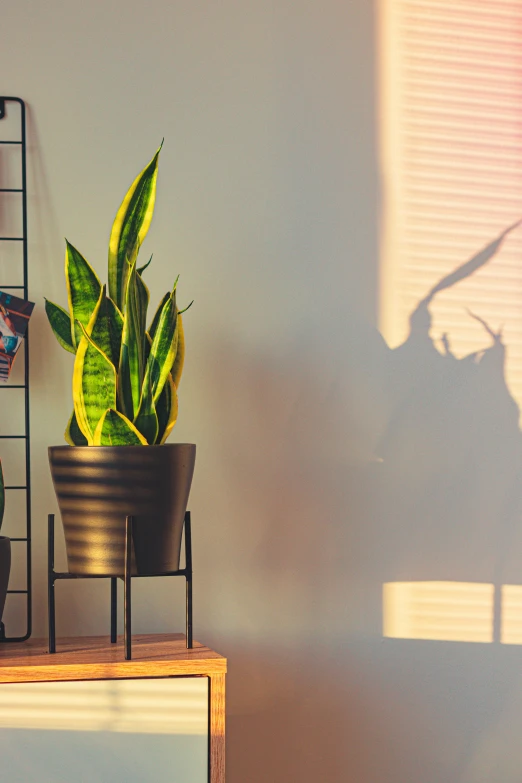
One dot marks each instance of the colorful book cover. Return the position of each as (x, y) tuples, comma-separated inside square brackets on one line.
[(14, 318)]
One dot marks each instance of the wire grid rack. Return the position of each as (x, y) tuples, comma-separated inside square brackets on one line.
[(19, 195)]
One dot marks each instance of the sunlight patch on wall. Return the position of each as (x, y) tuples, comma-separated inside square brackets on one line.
[(438, 611), (511, 623), (451, 153), (451, 611)]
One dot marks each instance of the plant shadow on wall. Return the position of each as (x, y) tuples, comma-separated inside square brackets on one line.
[(385, 465)]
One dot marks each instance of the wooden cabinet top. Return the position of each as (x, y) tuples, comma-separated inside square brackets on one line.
[(95, 658)]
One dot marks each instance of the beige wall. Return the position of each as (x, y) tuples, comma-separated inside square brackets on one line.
[(268, 206)]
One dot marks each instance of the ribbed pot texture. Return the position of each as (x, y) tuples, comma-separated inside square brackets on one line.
[(5, 568), (98, 486)]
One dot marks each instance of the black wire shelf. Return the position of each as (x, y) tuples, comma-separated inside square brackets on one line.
[(127, 577), (7, 102)]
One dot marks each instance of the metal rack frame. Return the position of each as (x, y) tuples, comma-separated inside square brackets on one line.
[(21, 142), (127, 576)]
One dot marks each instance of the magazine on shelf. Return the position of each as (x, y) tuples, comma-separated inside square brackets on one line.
[(14, 318)]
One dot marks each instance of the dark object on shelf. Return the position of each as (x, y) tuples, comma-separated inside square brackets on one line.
[(20, 193), (97, 486), (5, 568), (127, 577)]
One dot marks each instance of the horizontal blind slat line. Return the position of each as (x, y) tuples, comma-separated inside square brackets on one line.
[(433, 149), (479, 211), (510, 290), (461, 179), (459, 22), (445, 46), (439, 191), (456, 98), (421, 133), (473, 77), (470, 159), (472, 232), (461, 37), (463, 120), (428, 127), (495, 10), (497, 282), (421, 240), (435, 69), (446, 261), (433, 81), (464, 65)]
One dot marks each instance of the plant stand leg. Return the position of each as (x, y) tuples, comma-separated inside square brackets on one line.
[(188, 578), (114, 609), (50, 584), (127, 609)]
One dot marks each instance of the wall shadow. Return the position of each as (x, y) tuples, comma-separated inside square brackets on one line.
[(384, 465)]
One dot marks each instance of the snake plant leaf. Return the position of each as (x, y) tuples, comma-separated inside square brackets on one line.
[(83, 290), (73, 434), (130, 229), (157, 315), (179, 361), (115, 325), (167, 410), (148, 344), (2, 494), (114, 429), (163, 349), (60, 321), (132, 358), (101, 329), (141, 269), (146, 420), (94, 381)]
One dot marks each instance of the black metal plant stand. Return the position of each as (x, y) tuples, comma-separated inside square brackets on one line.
[(127, 576), (26, 486)]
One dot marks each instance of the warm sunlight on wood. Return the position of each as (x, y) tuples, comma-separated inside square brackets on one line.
[(446, 611), (451, 153)]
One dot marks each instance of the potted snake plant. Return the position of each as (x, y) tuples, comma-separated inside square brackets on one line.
[(126, 374), (5, 550)]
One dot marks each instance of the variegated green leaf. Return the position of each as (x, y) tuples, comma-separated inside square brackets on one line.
[(167, 410), (94, 380), (179, 361), (141, 269), (157, 314), (115, 323), (163, 349), (147, 420), (73, 434), (101, 329), (130, 228), (114, 429), (132, 358), (148, 344), (60, 321), (83, 290)]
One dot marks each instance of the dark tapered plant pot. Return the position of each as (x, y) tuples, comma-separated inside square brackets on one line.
[(5, 568), (98, 486)]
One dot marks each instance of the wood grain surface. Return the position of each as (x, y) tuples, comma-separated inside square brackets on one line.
[(217, 728), (95, 658)]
